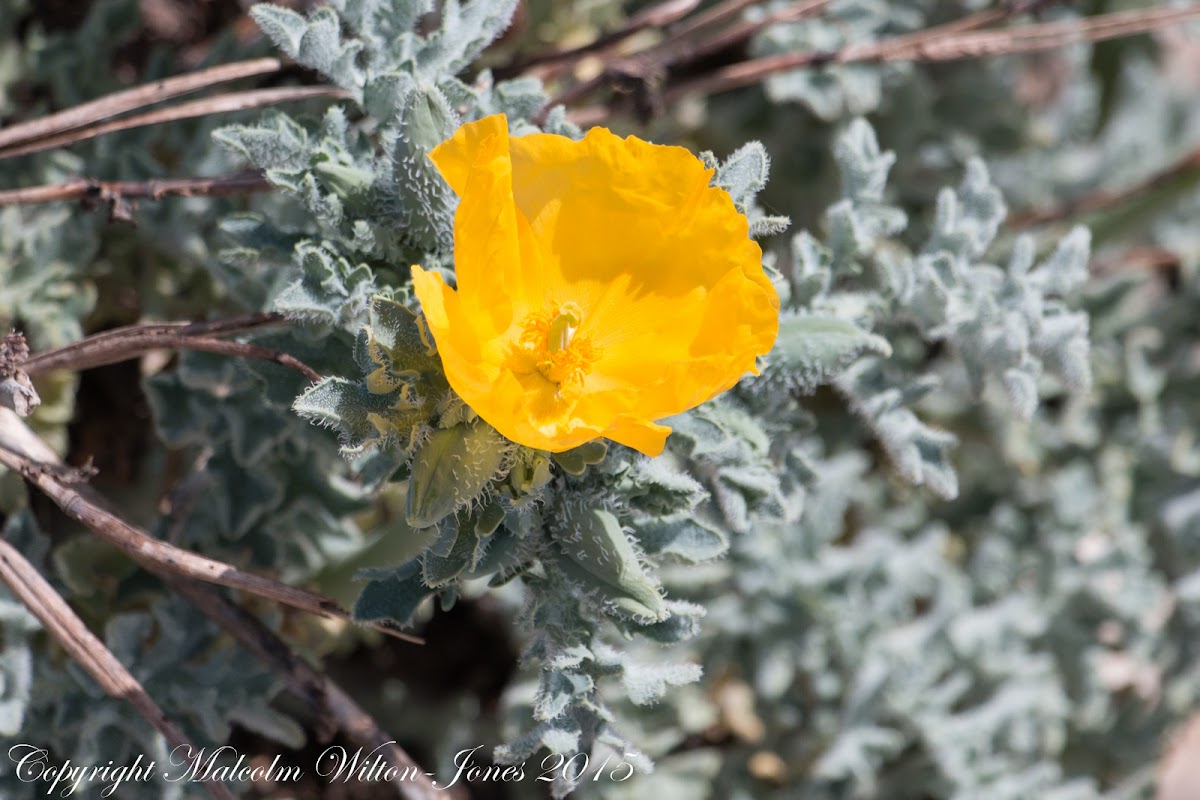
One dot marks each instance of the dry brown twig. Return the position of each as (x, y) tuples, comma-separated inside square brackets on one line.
[(132, 341), (655, 16), (219, 104), (679, 49), (953, 47), (971, 22), (120, 192), (132, 99), (1104, 199), (718, 13), (331, 705), (89, 652), (86, 121), (655, 71)]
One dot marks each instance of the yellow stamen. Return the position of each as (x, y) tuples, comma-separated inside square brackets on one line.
[(550, 344)]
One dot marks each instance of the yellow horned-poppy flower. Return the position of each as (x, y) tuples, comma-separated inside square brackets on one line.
[(602, 285)]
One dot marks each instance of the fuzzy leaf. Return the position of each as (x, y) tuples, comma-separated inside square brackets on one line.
[(597, 552), (464, 33), (684, 537), (813, 350), (647, 683), (744, 174), (394, 598), (359, 415), (330, 289), (424, 204)]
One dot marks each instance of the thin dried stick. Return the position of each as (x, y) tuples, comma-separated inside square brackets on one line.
[(650, 66), (91, 351), (980, 19), (718, 13), (329, 702), (655, 16), (1020, 39), (117, 191), (679, 48), (214, 327), (94, 352), (131, 99), (77, 355), (676, 50), (1027, 38), (220, 104), (20, 449), (89, 652), (1186, 170)]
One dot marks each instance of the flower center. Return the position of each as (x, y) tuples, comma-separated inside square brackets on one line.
[(550, 344)]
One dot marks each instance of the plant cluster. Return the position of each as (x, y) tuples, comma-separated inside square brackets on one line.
[(943, 545)]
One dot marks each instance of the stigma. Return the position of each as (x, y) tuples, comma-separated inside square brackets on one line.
[(551, 343)]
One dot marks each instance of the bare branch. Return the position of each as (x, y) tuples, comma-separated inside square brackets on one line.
[(645, 71), (1182, 173), (23, 451), (1008, 41), (132, 341), (217, 327), (676, 49), (220, 104), (78, 355), (655, 16), (719, 13), (91, 190), (971, 22), (89, 652), (131, 99)]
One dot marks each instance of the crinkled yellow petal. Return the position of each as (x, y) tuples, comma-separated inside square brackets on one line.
[(459, 345), (646, 437), (675, 291), (485, 225), (457, 156), (495, 254), (532, 412)]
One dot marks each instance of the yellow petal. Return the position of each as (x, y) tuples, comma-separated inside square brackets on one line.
[(648, 438), (477, 165), (497, 260), (527, 409), (457, 155), (459, 344), (675, 291)]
